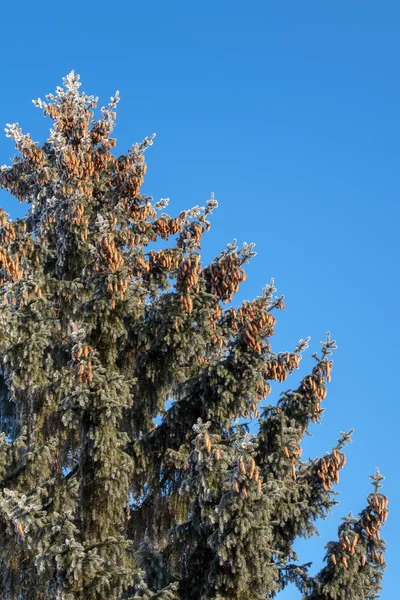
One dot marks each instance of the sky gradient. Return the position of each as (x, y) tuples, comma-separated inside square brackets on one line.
[(289, 113)]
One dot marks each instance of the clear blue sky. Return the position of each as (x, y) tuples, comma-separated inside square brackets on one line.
[(290, 112)]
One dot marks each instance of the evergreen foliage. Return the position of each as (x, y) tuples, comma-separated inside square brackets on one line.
[(99, 336)]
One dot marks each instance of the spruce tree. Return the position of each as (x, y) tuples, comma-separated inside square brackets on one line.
[(104, 329)]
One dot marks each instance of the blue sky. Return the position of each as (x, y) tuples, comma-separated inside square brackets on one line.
[(290, 113)]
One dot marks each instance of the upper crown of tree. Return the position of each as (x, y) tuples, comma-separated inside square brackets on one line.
[(104, 331)]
